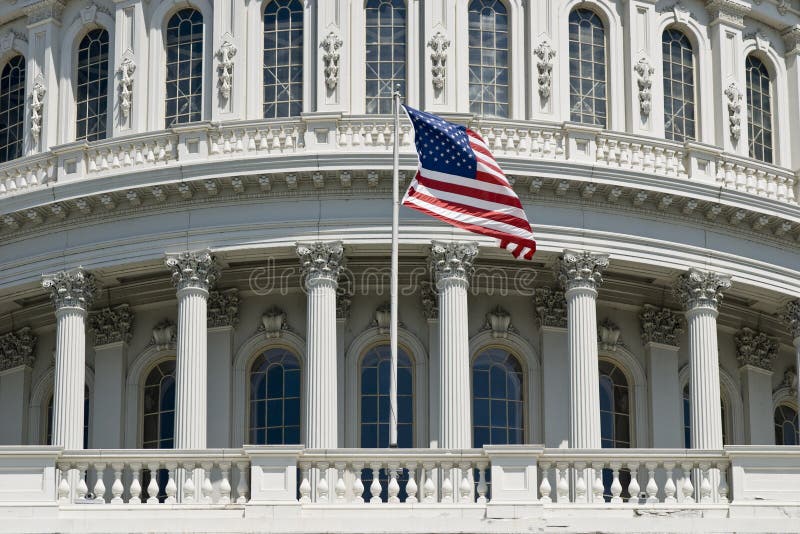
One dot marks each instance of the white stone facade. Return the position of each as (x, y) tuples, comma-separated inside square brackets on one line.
[(671, 263)]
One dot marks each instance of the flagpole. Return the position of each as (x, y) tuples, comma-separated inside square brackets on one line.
[(393, 286)]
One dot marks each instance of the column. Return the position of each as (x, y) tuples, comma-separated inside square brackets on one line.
[(451, 264), (430, 309), (321, 263), (193, 274), (792, 318), (700, 293), (16, 359), (71, 292), (580, 273), (551, 311), (222, 317), (111, 328), (661, 328), (756, 353), (343, 301)]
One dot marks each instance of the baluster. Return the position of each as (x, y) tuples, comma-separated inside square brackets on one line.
[(429, 486), (394, 488), (411, 485), (466, 486), (188, 484), (375, 487), (723, 481), (597, 483), (544, 487), (241, 487), (616, 487), (687, 488), (305, 484), (447, 484), (358, 484), (172, 489), (633, 487), (669, 485), (99, 484), (339, 488), (580, 482), (225, 483), (482, 487), (207, 489), (63, 486), (652, 486), (152, 487), (117, 488), (82, 488), (136, 485), (705, 483), (562, 486)]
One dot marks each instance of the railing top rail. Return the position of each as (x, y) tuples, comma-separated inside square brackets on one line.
[(388, 454), (626, 455), (94, 455)]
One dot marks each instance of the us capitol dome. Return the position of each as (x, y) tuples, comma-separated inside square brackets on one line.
[(195, 227)]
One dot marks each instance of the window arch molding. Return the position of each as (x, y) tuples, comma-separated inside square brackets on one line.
[(616, 91), (137, 374), (734, 404), (69, 63), (40, 395), (157, 63), (243, 359), (778, 95), (355, 352), (637, 384), (530, 360), (784, 396)]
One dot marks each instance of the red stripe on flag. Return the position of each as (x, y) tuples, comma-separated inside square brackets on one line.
[(449, 187), (472, 210)]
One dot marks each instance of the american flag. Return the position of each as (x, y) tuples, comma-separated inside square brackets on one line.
[(460, 183)]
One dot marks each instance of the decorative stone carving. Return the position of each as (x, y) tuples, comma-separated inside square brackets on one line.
[(164, 335), (452, 260), (383, 318), (44, 10), (438, 44), (193, 269), (545, 54), (730, 11), (330, 58), (762, 41), (344, 299), (70, 289), (755, 348), (608, 335), (790, 380), (37, 106), (273, 323), (551, 307), (223, 308), (782, 7), (577, 269), (791, 39), (225, 54), (701, 289), (321, 260), (111, 325), (644, 79), (89, 12), (792, 318), (16, 348), (498, 320), (734, 95), (430, 300), (125, 71), (660, 325), (679, 12), (7, 40)]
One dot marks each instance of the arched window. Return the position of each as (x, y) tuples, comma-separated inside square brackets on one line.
[(275, 398), (488, 58), (687, 419), (283, 58), (679, 92), (49, 419), (12, 108), (184, 45), (615, 420), (497, 399), (385, 54), (587, 68), (158, 408), (759, 109), (91, 89), (786, 426)]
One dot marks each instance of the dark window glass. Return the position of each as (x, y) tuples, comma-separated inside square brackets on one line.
[(91, 91), (385, 53), (679, 117), (488, 58), (687, 419), (275, 398), (12, 108), (184, 86), (759, 109), (587, 68), (615, 420), (283, 58), (497, 399), (786, 426), (158, 414)]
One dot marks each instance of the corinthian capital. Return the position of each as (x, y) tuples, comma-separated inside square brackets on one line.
[(16, 348), (223, 308), (452, 260), (581, 269), (193, 269), (321, 260), (70, 289), (792, 318), (755, 348), (551, 307), (701, 289), (111, 325), (660, 325)]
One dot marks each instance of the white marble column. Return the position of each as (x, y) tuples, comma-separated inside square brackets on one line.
[(321, 263), (16, 360), (193, 274), (792, 317), (700, 293), (72, 293), (452, 266), (580, 273)]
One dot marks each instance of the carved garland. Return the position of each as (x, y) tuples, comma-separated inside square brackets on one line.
[(544, 64), (331, 45), (225, 55), (438, 44), (644, 79), (734, 95)]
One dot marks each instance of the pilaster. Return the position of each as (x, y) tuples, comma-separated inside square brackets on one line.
[(16, 359), (642, 114), (551, 313), (439, 65), (756, 353), (430, 309), (222, 317), (334, 69), (129, 68), (343, 302), (791, 39), (792, 318)]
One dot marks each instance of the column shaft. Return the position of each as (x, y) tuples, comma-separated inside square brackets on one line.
[(704, 388), (584, 404), (455, 423), (191, 370), (70, 376)]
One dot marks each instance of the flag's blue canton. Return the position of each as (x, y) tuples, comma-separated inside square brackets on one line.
[(442, 146)]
